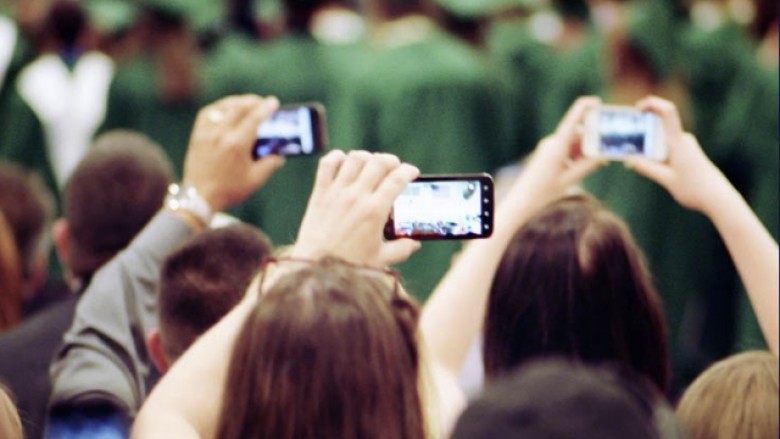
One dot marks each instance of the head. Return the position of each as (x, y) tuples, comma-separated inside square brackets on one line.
[(558, 398), (200, 283), (735, 397), (572, 282), (10, 278), (110, 196), (330, 351), (28, 207)]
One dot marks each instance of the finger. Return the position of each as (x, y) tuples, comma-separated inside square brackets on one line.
[(656, 171), (256, 115), (235, 109), (394, 183), (352, 167), (328, 168), (573, 118), (666, 110), (377, 167), (395, 252), (264, 168)]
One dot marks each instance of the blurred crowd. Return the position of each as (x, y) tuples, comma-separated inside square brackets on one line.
[(447, 85)]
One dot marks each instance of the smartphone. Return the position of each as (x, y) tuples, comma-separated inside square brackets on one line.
[(293, 130), (434, 207), (616, 132)]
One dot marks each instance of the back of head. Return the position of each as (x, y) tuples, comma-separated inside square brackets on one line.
[(329, 352), (111, 195), (28, 207), (205, 279), (561, 399), (573, 282), (10, 278), (735, 397)]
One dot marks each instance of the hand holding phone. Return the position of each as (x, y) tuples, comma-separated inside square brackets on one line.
[(294, 130), (616, 132), (436, 207)]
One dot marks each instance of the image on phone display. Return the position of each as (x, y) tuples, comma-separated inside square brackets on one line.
[(454, 208), (626, 133), (289, 131)]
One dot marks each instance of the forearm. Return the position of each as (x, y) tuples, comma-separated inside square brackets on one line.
[(755, 255), (453, 315), (171, 410)]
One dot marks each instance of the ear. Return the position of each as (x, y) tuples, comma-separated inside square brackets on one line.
[(154, 346), (61, 234)]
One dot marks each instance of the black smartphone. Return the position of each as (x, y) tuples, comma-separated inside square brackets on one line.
[(293, 130), (436, 207)]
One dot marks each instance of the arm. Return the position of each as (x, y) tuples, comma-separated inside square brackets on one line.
[(104, 357), (350, 202), (697, 184), (454, 313)]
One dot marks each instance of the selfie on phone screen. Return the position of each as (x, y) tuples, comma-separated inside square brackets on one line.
[(443, 209)]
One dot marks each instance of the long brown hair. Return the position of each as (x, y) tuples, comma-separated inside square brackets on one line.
[(327, 353), (573, 282), (734, 398)]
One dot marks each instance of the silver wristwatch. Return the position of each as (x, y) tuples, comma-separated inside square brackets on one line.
[(185, 197)]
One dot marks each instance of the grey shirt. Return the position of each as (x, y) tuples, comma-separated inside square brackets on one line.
[(103, 356)]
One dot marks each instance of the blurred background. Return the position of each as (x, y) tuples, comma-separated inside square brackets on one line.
[(448, 85)]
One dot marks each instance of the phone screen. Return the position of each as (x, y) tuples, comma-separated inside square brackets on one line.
[(292, 130), (623, 133), (443, 207)]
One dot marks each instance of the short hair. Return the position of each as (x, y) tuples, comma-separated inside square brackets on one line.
[(573, 282), (11, 289), (561, 398), (330, 351), (114, 191), (28, 206), (735, 397), (204, 279)]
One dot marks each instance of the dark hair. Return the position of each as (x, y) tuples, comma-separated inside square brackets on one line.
[(562, 398), (113, 192), (573, 282), (28, 207), (204, 279), (327, 353)]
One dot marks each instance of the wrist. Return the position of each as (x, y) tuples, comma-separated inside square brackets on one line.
[(185, 200)]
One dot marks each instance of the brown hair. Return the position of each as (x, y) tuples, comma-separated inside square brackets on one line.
[(204, 279), (11, 290), (28, 206), (326, 354), (111, 195), (573, 282), (734, 398)]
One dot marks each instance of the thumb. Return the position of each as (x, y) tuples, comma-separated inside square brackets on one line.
[(264, 168), (395, 252)]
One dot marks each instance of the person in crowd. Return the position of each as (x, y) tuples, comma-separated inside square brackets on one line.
[(562, 398), (735, 397), (10, 424), (353, 294), (10, 277), (200, 283), (29, 206), (59, 97), (110, 196), (102, 364)]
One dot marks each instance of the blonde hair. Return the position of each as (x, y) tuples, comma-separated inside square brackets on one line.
[(10, 424), (735, 398)]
